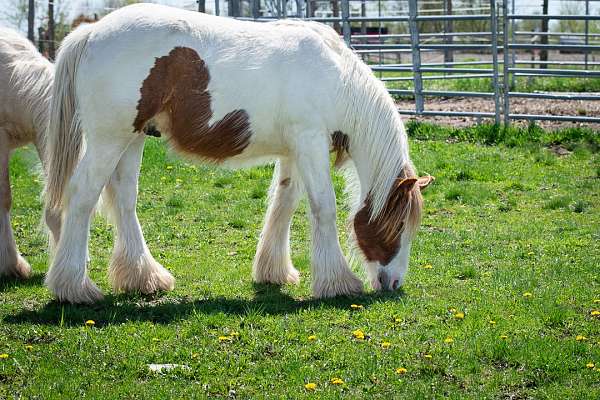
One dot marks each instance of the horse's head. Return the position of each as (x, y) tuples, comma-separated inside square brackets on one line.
[(384, 239)]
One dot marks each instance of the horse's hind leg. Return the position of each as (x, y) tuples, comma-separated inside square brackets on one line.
[(273, 263), (132, 267), (67, 276), (11, 262)]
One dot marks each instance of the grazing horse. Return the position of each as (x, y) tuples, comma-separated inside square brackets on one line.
[(233, 93), (25, 88)]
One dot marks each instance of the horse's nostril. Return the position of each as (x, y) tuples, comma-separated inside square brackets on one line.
[(396, 284)]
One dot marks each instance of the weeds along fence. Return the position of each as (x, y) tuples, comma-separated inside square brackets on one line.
[(418, 46)]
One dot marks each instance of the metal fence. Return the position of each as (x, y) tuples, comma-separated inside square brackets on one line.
[(498, 41)]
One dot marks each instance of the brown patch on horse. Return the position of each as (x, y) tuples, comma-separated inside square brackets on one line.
[(379, 237), (285, 182), (340, 143), (177, 85)]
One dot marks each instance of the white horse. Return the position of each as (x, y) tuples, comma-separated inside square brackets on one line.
[(25, 88), (233, 93)]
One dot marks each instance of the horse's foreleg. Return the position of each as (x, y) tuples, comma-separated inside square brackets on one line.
[(67, 276), (331, 274), (132, 267), (11, 262), (51, 217), (272, 263)]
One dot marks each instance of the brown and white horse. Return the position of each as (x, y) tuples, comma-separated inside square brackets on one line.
[(25, 88), (233, 93)]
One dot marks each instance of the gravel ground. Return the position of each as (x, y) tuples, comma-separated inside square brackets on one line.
[(518, 106)]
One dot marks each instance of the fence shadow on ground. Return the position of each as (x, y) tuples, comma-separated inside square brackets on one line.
[(118, 309)]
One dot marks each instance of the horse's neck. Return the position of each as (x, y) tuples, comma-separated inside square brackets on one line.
[(377, 141)]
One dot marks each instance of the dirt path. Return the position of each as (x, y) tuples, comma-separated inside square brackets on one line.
[(517, 106)]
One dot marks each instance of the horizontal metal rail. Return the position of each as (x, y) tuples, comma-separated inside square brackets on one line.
[(552, 96), (557, 62), (471, 114), (519, 46), (436, 77), (423, 46), (436, 69), (555, 72), (441, 93), (555, 16), (541, 117)]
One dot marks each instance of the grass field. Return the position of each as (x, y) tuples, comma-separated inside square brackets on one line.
[(501, 300)]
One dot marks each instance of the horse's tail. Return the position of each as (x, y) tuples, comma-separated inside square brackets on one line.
[(64, 136)]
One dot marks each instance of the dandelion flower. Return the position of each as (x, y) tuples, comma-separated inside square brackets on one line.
[(29, 347), (397, 320), (503, 337), (310, 386), (401, 371), (358, 334), (428, 356), (90, 322), (527, 294), (452, 310), (234, 334), (312, 338), (580, 338), (427, 266), (589, 365), (337, 381), (595, 313), (386, 345), (459, 315), (492, 322), (356, 306), (225, 339), (3, 356), (448, 340)]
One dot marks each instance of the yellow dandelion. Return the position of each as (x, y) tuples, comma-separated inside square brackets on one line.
[(428, 356), (234, 334), (90, 322), (3, 356), (401, 371), (337, 381), (310, 386), (29, 347), (427, 266), (503, 337), (459, 315), (452, 310), (397, 320), (356, 306), (492, 322), (448, 340), (595, 313), (527, 295), (225, 339), (580, 338), (386, 345), (358, 334), (589, 365), (312, 338)]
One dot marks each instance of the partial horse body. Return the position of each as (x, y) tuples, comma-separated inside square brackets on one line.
[(25, 88), (232, 93)]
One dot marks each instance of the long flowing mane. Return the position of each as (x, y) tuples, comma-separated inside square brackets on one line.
[(378, 145)]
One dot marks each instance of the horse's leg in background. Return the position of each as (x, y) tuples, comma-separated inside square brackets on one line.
[(272, 263), (132, 267), (11, 262), (67, 276), (51, 217), (331, 274)]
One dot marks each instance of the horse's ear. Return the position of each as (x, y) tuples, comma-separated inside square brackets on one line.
[(407, 183), (424, 181)]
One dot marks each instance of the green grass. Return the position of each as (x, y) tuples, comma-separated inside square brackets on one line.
[(500, 221)]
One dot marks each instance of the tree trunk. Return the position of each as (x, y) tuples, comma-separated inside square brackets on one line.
[(30, 20), (51, 47)]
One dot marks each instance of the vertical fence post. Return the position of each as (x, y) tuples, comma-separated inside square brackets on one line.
[(587, 31), (201, 6), (512, 39), (255, 8), (494, 32), (30, 20), (506, 85), (345, 23), (416, 54), (217, 10), (284, 8), (51, 47)]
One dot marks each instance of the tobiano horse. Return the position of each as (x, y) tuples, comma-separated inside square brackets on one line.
[(25, 89), (233, 93)]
